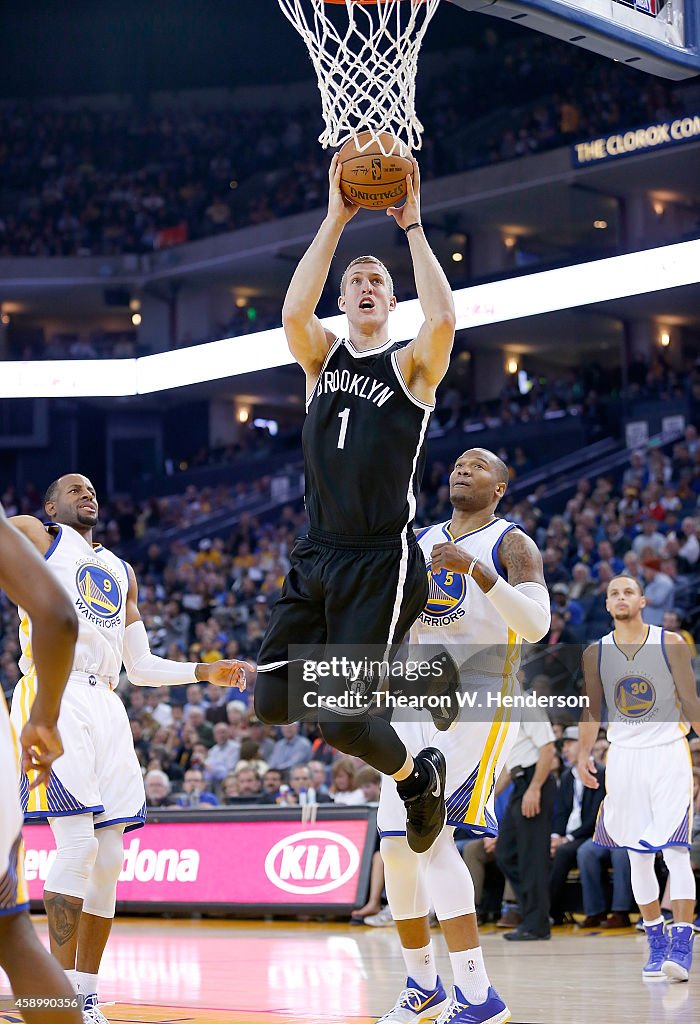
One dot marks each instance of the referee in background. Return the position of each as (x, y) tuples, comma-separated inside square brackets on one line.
[(522, 852)]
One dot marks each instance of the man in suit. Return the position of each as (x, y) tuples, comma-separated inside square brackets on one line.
[(573, 822)]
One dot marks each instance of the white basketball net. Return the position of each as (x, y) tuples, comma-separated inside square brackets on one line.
[(366, 68)]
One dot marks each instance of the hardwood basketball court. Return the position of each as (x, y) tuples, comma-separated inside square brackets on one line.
[(202, 972)]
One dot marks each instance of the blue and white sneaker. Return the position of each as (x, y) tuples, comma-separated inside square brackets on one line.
[(492, 1011), (677, 963), (91, 1011), (659, 947), (416, 1004)]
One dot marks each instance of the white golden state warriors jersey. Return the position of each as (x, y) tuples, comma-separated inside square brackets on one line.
[(643, 705), (458, 615), (97, 583)]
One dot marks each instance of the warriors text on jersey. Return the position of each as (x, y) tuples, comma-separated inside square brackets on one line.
[(460, 619), (643, 705), (363, 442), (97, 583), (458, 614)]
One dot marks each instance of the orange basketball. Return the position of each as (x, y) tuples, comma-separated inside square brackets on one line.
[(369, 178)]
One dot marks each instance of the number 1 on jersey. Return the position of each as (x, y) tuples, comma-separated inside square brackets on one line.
[(343, 416)]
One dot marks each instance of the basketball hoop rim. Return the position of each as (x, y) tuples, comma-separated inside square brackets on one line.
[(370, 3)]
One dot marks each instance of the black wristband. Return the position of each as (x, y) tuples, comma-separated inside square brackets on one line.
[(416, 224)]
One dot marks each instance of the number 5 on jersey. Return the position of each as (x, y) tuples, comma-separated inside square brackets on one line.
[(343, 416)]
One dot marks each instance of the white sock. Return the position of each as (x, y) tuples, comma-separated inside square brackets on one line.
[(72, 976), (652, 924), (681, 924), (87, 983), (470, 974), (420, 965)]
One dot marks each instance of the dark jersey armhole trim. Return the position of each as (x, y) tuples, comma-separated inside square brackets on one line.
[(54, 542), (663, 650), (494, 552)]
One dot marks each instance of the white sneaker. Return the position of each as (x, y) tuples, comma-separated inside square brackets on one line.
[(381, 920), (416, 1005), (93, 1015)]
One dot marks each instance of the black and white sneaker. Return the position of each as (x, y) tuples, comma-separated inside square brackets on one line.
[(425, 813), (445, 687)]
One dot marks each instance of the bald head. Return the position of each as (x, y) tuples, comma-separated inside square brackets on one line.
[(478, 481), (498, 465)]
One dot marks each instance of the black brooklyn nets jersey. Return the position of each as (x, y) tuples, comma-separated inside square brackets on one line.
[(363, 442)]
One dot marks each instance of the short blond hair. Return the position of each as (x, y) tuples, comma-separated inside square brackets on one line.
[(366, 259)]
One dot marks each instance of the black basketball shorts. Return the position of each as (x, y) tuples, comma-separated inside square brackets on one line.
[(351, 591)]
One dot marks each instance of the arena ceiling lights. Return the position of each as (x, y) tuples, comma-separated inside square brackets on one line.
[(652, 270)]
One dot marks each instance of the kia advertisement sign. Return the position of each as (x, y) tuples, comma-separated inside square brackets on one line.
[(265, 862)]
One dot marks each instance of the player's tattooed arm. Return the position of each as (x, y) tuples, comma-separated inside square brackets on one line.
[(522, 601), (521, 559), (679, 659), (589, 724)]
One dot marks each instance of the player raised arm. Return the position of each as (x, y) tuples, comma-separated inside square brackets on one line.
[(679, 659), (146, 669), (589, 726), (307, 338), (27, 581), (424, 362)]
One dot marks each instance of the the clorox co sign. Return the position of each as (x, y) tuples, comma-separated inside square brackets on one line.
[(312, 862)]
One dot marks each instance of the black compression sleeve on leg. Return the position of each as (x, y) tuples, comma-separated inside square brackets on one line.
[(275, 700), (370, 738)]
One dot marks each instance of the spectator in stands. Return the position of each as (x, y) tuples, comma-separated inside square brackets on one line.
[(573, 822), (606, 553), (600, 750), (554, 571), (694, 746), (319, 776), (195, 719), (195, 699), (291, 749), (633, 567), (301, 790), (659, 592), (369, 780), (244, 786), (158, 790), (343, 789), (593, 863), (570, 610), (557, 658), (597, 621), (673, 621), (194, 792), (216, 699), (257, 732), (271, 785), (582, 586), (689, 544), (648, 540), (223, 757), (236, 712), (228, 793)]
